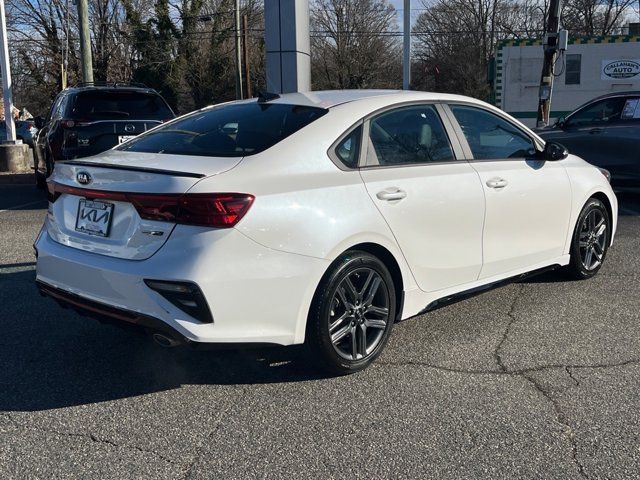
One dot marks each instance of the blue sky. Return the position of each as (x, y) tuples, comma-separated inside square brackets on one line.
[(399, 6)]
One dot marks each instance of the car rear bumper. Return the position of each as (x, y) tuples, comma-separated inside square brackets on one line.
[(107, 313), (255, 294)]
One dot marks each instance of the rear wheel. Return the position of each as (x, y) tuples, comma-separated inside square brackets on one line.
[(590, 242), (352, 313)]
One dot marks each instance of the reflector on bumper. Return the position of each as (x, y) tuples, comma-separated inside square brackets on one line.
[(186, 296)]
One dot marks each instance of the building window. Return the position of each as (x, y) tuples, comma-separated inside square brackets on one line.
[(572, 73)]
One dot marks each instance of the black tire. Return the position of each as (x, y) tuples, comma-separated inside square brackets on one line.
[(366, 273), (580, 267), (41, 180)]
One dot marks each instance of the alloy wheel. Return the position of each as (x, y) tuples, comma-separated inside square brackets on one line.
[(359, 313), (592, 240)]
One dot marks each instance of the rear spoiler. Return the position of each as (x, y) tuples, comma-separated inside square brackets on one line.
[(132, 168)]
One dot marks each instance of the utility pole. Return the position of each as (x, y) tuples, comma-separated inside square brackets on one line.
[(6, 78), (239, 94), (245, 54), (406, 62), (551, 46), (85, 41)]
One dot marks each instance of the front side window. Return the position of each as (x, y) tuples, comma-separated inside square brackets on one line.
[(348, 150), (233, 130), (598, 113), (409, 135), (490, 137)]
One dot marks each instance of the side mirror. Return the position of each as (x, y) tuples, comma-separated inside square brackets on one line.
[(560, 122), (38, 122), (554, 151)]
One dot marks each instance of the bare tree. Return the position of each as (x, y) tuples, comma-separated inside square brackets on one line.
[(109, 51), (595, 17), (454, 41), (354, 44)]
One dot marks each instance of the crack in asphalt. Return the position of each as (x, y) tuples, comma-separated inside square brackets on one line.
[(515, 373), (89, 436), (569, 371), (496, 353), (562, 420), (526, 373)]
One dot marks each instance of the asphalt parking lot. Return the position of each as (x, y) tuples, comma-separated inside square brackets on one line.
[(533, 380)]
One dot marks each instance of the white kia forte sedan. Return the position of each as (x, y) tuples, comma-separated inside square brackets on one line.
[(319, 218)]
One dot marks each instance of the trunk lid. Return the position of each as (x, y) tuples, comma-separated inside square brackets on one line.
[(91, 211)]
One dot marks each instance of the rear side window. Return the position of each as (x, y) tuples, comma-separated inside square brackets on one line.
[(348, 150), (408, 136), (490, 137), (232, 130), (631, 110), (119, 105)]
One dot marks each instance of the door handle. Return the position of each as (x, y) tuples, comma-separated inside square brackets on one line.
[(497, 183), (391, 194), (594, 131)]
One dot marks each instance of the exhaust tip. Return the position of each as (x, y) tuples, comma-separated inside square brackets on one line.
[(165, 341)]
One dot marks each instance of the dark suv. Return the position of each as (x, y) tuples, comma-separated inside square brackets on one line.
[(88, 119)]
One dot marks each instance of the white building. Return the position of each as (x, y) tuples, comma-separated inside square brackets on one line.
[(591, 66)]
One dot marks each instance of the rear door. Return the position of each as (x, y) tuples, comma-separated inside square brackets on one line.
[(432, 201), (528, 201)]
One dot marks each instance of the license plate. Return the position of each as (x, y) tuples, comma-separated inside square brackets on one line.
[(94, 218), (124, 138)]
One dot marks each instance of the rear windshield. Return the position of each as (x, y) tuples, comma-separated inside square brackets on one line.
[(116, 105), (227, 131)]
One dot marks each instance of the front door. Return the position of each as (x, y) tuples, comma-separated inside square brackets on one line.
[(528, 201), (432, 201)]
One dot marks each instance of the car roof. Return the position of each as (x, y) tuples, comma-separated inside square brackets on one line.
[(111, 87), (332, 98)]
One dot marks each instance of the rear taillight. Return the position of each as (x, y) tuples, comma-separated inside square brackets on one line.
[(218, 210)]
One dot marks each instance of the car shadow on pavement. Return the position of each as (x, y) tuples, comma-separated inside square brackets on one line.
[(52, 358)]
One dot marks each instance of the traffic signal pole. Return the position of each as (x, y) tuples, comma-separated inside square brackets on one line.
[(551, 46)]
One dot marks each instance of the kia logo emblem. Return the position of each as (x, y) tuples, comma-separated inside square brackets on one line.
[(83, 178), (129, 128)]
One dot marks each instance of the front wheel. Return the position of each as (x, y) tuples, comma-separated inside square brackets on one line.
[(352, 313), (590, 242)]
